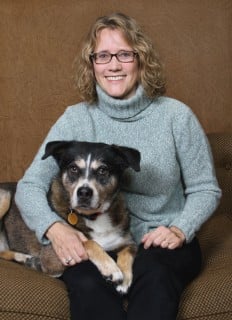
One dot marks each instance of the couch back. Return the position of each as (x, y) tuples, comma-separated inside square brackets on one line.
[(40, 39)]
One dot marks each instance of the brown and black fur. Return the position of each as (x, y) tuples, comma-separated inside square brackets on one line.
[(89, 185)]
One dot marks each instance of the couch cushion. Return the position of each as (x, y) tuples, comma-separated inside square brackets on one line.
[(29, 294), (221, 145), (208, 297)]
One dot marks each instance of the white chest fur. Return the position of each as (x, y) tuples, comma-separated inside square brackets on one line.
[(105, 234)]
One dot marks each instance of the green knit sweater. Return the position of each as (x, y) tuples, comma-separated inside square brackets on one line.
[(176, 184)]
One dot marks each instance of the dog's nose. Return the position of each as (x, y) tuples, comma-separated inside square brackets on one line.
[(84, 193)]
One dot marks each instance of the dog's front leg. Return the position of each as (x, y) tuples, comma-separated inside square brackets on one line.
[(125, 262), (105, 264)]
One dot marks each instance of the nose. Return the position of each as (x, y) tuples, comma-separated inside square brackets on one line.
[(115, 64), (84, 193)]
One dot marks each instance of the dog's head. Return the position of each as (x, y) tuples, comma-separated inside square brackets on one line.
[(91, 172)]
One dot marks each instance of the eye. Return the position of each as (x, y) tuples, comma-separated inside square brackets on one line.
[(74, 169), (102, 56), (125, 54), (103, 171)]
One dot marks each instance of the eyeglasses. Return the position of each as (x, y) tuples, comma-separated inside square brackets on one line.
[(104, 57)]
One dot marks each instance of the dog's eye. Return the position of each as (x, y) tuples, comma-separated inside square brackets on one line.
[(103, 171), (73, 169)]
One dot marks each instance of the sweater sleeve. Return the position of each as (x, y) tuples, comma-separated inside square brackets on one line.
[(31, 193), (202, 192)]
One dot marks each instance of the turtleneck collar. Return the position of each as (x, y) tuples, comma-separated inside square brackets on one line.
[(123, 109)]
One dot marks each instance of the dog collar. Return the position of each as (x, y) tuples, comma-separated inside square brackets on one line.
[(73, 216), (91, 216)]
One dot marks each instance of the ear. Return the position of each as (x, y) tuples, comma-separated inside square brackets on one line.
[(56, 149), (131, 157)]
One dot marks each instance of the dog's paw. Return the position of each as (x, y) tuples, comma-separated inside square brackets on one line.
[(33, 263), (112, 273), (114, 277), (123, 287)]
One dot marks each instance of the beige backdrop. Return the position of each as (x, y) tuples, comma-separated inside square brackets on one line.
[(39, 40)]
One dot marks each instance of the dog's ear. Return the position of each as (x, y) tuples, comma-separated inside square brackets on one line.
[(56, 149), (130, 157)]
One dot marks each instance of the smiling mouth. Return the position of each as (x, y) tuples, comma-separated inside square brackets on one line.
[(115, 78)]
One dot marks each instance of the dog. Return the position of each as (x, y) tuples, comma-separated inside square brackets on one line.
[(86, 194)]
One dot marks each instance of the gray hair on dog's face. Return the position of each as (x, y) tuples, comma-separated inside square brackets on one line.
[(91, 172), (90, 184)]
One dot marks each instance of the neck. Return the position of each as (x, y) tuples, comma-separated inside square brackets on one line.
[(74, 214), (92, 216), (123, 109)]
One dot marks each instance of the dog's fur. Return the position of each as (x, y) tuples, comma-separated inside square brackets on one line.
[(88, 185)]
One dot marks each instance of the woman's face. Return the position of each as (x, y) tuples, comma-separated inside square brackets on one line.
[(117, 79)]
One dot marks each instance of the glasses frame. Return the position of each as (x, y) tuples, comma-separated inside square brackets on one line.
[(116, 55)]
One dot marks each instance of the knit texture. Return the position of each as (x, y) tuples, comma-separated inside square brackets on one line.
[(176, 184)]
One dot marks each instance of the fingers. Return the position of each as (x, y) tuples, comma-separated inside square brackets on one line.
[(67, 243), (164, 237), (68, 261), (72, 252), (148, 240)]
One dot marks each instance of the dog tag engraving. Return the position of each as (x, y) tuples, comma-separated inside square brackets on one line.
[(72, 218)]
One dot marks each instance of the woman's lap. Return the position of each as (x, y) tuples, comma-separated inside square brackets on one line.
[(160, 275)]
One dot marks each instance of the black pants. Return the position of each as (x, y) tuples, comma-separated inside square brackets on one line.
[(160, 275)]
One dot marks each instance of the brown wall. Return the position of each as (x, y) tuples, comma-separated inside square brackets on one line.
[(39, 40)]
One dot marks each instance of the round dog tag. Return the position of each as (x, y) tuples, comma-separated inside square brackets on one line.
[(72, 218)]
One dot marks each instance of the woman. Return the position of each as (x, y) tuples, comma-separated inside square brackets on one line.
[(121, 81)]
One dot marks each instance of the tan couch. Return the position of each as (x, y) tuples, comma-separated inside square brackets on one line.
[(39, 40), (29, 295)]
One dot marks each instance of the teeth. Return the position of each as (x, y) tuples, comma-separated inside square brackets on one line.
[(115, 78)]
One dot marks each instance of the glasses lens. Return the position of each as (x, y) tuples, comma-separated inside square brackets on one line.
[(105, 57), (102, 57), (125, 56)]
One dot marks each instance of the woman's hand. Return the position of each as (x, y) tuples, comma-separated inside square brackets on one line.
[(164, 237), (67, 243)]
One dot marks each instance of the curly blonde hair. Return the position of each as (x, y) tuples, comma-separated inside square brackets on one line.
[(151, 71)]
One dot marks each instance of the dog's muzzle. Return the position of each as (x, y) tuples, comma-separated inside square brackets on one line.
[(84, 193), (84, 196)]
